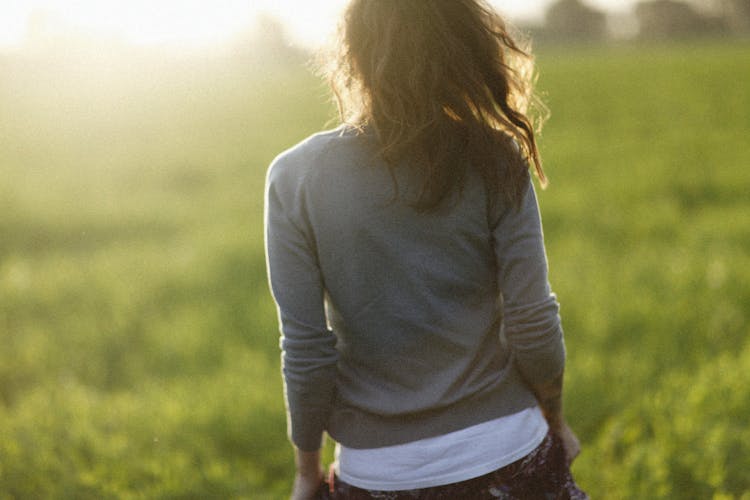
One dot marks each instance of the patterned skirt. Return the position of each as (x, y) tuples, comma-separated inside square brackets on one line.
[(543, 474)]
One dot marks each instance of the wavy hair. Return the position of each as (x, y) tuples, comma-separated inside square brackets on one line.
[(442, 82)]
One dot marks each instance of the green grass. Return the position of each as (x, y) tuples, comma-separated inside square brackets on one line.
[(648, 225), (140, 346)]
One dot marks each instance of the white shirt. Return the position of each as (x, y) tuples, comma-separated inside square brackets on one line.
[(449, 458)]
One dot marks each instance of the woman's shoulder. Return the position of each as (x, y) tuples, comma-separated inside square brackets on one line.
[(324, 148)]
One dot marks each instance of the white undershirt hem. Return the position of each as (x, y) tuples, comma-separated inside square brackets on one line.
[(450, 458)]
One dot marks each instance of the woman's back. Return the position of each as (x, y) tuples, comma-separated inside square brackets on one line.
[(413, 297)]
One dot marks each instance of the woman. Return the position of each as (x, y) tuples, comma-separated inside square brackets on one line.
[(406, 257)]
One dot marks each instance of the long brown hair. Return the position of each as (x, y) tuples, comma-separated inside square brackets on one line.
[(443, 81)]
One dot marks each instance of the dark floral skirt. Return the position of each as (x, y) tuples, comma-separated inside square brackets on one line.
[(542, 474)]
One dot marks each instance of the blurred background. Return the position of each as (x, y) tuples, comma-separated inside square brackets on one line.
[(139, 350)]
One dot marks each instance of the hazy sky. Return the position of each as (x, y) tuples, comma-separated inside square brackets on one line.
[(202, 22)]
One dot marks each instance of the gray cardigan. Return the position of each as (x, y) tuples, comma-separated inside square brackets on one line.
[(399, 325)]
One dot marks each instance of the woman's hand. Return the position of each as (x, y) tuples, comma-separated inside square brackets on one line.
[(306, 487), (570, 443), (309, 475), (549, 396)]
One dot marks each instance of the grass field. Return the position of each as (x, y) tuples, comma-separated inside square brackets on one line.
[(139, 354)]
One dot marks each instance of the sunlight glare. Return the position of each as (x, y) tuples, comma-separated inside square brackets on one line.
[(201, 22), (141, 22), (162, 22)]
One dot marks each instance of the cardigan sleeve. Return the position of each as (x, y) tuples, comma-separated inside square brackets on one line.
[(308, 347), (530, 309)]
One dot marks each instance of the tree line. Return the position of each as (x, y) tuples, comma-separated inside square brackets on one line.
[(650, 19)]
